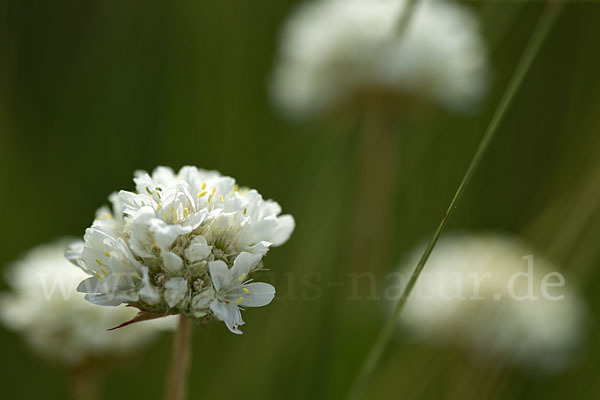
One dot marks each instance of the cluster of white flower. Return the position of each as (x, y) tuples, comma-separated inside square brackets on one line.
[(334, 49), (480, 292), (183, 243), (56, 320)]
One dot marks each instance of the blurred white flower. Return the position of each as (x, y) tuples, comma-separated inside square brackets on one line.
[(479, 291), (56, 320), (154, 249), (334, 49)]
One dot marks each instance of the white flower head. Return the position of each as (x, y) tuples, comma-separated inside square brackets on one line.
[(478, 291), (158, 247), (55, 319), (332, 50)]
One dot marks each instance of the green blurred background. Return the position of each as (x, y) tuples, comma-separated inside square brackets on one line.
[(92, 90)]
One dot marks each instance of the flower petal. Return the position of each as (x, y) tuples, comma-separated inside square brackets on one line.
[(259, 294), (228, 313), (74, 254), (219, 273), (165, 234), (259, 248), (242, 264), (112, 298), (285, 227), (89, 285)]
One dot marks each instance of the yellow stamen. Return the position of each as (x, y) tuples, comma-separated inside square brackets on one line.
[(220, 197), (238, 301), (171, 211), (241, 278), (202, 193), (203, 185), (185, 212), (159, 206), (98, 261), (106, 254), (246, 291), (99, 276), (104, 271)]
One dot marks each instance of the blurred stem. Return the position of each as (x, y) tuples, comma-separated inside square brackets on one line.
[(581, 206), (377, 160), (405, 15), (84, 382), (489, 379), (498, 20), (180, 361), (538, 36)]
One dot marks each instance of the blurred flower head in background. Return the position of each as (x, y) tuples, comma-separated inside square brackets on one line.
[(485, 293), (183, 243), (334, 50), (56, 320)]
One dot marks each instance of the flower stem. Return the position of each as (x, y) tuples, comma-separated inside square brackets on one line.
[(377, 159), (180, 360), (84, 382), (538, 36)]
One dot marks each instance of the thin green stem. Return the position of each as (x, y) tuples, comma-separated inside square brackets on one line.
[(538, 37)]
